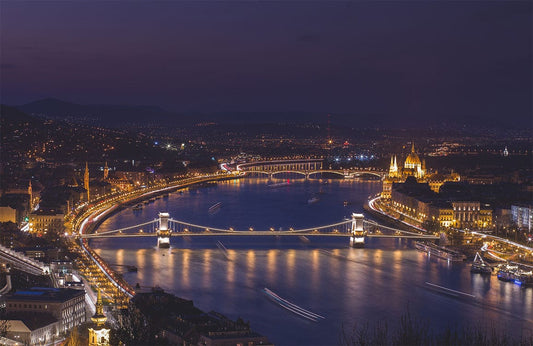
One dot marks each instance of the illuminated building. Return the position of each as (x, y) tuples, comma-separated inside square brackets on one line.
[(44, 221), (65, 304), (106, 171), (417, 202), (99, 334), (413, 167)]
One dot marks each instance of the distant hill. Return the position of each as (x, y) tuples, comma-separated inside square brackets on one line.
[(124, 115), (108, 115), (133, 116)]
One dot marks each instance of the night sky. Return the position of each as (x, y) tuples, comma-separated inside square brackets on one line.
[(410, 59)]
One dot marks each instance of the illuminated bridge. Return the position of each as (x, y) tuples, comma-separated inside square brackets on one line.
[(305, 167), (356, 229)]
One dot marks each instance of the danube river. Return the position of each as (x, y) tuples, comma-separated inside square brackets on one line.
[(323, 275)]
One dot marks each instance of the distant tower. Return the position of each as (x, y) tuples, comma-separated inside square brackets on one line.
[(30, 192), (505, 152), (99, 335), (330, 141), (106, 171), (86, 180)]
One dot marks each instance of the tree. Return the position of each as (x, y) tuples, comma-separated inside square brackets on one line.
[(73, 338)]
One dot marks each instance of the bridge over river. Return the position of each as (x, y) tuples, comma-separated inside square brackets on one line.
[(356, 229), (307, 168)]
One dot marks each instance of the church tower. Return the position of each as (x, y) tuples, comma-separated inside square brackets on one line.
[(30, 192), (106, 171), (99, 335), (86, 180)]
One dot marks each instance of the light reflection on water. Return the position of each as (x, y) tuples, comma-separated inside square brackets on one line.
[(345, 285)]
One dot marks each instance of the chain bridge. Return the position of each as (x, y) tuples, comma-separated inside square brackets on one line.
[(305, 167), (356, 229)]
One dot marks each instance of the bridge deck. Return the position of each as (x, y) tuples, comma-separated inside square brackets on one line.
[(258, 233)]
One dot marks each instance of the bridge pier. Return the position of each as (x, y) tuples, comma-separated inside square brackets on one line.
[(163, 233), (357, 237)]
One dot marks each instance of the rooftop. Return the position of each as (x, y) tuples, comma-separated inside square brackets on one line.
[(45, 294)]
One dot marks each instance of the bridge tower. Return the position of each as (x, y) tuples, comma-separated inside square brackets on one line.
[(163, 233), (357, 238)]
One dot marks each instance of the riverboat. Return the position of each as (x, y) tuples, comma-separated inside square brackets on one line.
[(507, 272), (138, 207), (274, 185), (512, 273), (440, 251), (313, 200), (479, 266)]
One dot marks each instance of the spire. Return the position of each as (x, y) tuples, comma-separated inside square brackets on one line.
[(413, 147), (30, 192), (86, 180), (99, 317), (106, 171)]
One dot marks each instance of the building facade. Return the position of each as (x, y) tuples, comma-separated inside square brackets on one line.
[(44, 221), (65, 304)]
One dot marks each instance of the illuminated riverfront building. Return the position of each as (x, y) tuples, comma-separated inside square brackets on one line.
[(413, 167), (413, 193)]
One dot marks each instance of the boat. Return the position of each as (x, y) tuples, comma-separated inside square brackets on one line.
[(138, 207), (507, 272), (151, 200), (439, 251), (479, 266), (165, 195), (274, 185), (132, 269), (524, 279), (313, 200), (215, 207), (513, 273)]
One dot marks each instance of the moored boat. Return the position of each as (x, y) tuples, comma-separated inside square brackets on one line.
[(479, 266)]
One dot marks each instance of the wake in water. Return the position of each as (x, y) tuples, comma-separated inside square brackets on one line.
[(295, 309)]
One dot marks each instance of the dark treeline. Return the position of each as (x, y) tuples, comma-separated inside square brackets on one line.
[(414, 331)]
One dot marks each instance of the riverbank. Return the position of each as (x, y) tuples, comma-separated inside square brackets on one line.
[(95, 269)]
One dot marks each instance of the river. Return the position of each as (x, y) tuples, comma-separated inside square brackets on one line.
[(324, 275)]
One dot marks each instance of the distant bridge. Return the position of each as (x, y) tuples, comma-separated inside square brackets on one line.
[(356, 228), (304, 167)]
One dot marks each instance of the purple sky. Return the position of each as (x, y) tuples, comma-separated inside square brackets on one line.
[(405, 58)]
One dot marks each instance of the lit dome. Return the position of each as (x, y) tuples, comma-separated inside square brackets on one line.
[(412, 160)]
